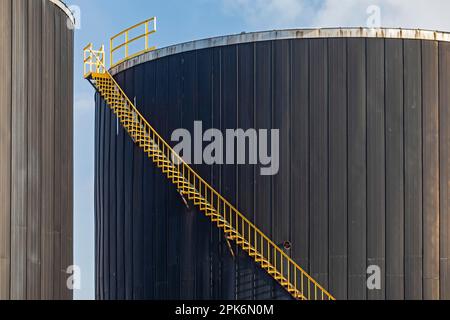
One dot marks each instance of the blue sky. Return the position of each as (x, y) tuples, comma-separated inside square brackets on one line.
[(181, 21)]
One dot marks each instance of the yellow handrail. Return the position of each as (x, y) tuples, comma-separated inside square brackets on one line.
[(235, 225), (150, 28)]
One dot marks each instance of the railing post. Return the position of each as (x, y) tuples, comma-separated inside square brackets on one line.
[(111, 52), (103, 56), (84, 62), (289, 271), (91, 59), (281, 264), (231, 218), (295, 279), (146, 35), (126, 44), (302, 284)]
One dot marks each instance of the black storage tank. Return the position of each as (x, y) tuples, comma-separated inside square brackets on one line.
[(364, 120)]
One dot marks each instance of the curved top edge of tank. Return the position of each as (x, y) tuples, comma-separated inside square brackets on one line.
[(63, 6), (386, 33)]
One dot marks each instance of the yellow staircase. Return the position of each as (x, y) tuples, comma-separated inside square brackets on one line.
[(236, 227)]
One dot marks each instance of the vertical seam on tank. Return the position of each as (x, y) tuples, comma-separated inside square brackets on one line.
[(100, 216), (154, 178), (116, 178), (327, 136), (422, 166), (271, 178), (10, 141), (120, 211), (96, 210), (439, 131), (436, 67), (385, 168), (442, 252), (366, 76), (40, 145), (444, 165), (26, 132), (43, 78), (289, 98), (112, 280), (211, 172), (107, 258), (289, 124), (133, 165), (439, 54), (389, 275), (220, 168), (309, 42), (96, 200), (404, 167), (289, 85), (27, 53), (347, 159), (216, 171), (290, 218), (218, 119), (236, 171), (446, 289), (56, 24), (199, 226), (254, 167)]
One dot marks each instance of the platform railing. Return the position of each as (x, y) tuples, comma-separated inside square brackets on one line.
[(143, 29), (94, 60)]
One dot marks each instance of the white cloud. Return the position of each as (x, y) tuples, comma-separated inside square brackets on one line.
[(262, 13), (270, 14)]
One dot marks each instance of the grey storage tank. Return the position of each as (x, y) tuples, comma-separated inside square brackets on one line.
[(364, 120), (36, 149)]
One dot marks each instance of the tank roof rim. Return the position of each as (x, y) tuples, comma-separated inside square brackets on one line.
[(283, 34), (63, 6)]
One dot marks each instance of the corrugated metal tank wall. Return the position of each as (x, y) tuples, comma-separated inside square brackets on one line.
[(363, 180), (36, 94)]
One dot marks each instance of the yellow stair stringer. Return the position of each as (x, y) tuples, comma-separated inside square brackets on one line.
[(235, 225)]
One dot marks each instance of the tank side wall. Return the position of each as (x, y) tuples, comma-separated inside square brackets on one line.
[(362, 178), (36, 99)]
